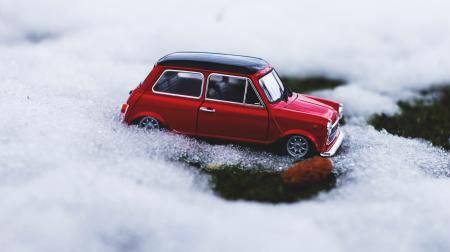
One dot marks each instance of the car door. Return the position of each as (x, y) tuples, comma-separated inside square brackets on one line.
[(232, 109), (175, 96)]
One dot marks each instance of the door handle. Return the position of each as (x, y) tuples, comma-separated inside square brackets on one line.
[(209, 110)]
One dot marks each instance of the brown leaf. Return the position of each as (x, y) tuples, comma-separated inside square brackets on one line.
[(310, 171)]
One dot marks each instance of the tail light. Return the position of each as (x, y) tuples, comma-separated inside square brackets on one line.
[(124, 108)]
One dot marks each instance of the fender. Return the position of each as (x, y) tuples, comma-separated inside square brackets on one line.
[(303, 133), (148, 113), (293, 132)]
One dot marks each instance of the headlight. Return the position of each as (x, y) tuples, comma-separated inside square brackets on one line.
[(329, 126), (341, 110)]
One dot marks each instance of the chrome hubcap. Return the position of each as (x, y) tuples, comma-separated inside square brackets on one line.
[(149, 123), (297, 146)]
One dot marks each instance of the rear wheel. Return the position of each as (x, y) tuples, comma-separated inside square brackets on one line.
[(149, 123), (298, 147)]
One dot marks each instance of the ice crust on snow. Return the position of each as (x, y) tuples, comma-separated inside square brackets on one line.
[(73, 178)]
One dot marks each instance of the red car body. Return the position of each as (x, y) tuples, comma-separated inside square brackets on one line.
[(264, 121)]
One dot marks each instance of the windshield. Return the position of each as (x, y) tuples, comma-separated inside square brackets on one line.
[(272, 86)]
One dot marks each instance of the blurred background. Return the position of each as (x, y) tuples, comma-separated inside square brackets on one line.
[(384, 48)]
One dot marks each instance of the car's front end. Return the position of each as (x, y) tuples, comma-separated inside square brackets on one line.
[(297, 115), (324, 116), (334, 137)]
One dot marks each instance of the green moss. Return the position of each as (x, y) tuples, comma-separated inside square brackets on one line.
[(235, 183), (308, 84), (427, 118)]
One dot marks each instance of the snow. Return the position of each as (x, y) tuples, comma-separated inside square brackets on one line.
[(73, 178)]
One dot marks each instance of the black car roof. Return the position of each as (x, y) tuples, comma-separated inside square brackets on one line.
[(215, 61)]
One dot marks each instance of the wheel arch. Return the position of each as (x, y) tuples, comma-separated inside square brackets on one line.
[(151, 114), (304, 133)]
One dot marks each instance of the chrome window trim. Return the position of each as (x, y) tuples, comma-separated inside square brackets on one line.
[(178, 95), (248, 80), (257, 94), (245, 92)]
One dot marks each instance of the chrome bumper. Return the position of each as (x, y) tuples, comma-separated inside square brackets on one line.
[(335, 146)]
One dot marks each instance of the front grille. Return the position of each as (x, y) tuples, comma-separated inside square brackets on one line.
[(333, 132)]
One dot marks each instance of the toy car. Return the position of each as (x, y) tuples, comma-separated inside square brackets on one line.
[(234, 98)]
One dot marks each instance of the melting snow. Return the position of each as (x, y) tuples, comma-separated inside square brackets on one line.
[(72, 178)]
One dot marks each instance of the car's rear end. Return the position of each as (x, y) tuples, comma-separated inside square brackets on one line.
[(135, 94), (128, 109)]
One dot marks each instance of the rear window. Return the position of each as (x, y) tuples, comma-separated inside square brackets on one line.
[(181, 83)]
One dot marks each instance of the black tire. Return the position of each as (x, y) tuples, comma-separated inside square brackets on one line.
[(297, 147), (149, 123)]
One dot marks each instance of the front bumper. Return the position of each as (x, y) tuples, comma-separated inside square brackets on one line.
[(335, 146)]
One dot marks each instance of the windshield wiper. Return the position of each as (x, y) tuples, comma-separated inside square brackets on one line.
[(288, 90), (285, 95)]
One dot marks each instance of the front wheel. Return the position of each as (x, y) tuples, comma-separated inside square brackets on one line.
[(149, 123), (298, 147)]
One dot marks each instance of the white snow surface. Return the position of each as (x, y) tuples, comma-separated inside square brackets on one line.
[(73, 178)]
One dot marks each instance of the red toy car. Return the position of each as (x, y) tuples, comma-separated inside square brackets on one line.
[(236, 98)]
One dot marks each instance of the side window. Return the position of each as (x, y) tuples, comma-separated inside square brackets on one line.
[(251, 97), (226, 88), (180, 83)]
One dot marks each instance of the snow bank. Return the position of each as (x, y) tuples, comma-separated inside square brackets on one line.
[(72, 178)]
